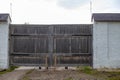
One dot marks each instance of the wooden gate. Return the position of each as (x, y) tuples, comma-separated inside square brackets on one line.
[(51, 45)]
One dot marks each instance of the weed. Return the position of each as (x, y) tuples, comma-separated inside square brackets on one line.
[(70, 78), (8, 70), (12, 68), (86, 69), (30, 71), (99, 74), (113, 76), (26, 77)]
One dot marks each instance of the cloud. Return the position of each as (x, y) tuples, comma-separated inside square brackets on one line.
[(107, 6), (71, 4), (117, 3)]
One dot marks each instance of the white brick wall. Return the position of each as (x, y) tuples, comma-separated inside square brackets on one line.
[(114, 44), (4, 36), (106, 44)]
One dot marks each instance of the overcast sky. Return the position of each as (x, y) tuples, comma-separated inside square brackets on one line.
[(57, 11)]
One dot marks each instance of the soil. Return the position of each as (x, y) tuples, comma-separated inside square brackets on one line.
[(14, 75), (62, 74), (59, 75)]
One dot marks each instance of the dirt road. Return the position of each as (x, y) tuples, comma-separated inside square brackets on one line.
[(58, 75), (14, 75)]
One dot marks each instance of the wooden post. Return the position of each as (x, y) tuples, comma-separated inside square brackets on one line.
[(46, 62), (55, 60), (50, 45)]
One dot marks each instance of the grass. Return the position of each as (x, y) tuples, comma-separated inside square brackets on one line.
[(30, 71), (70, 78), (8, 70), (26, 77), (105, 75), (86, 69)]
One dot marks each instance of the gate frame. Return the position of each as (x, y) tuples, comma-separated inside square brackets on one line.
[(50, 49)]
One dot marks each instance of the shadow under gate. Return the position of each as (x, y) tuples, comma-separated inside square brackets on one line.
[(51, 45)]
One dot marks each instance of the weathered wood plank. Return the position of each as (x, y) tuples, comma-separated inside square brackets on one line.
[(28, 41)]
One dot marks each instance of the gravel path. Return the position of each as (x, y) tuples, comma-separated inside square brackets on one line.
[(34, 73), (59, 75), (14, 75)]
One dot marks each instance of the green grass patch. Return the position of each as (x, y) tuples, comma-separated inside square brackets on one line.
[(25, 78), (8, 70), (105, 75), (70, 78), (30, 71), (86, 69), (26, 75), (112, 75)]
